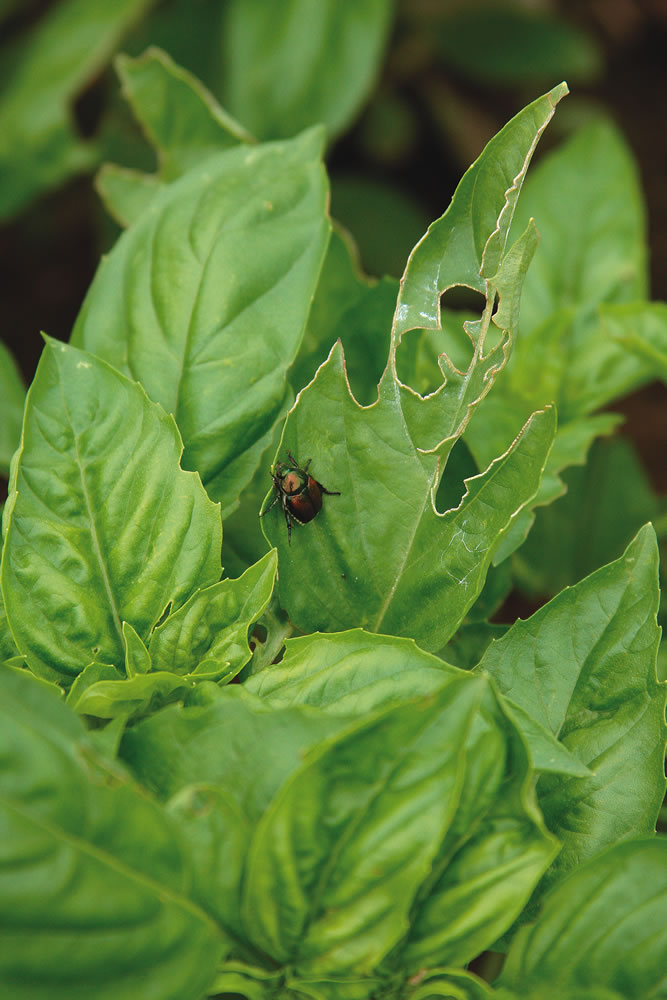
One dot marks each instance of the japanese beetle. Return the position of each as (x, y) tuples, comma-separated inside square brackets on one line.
[(299, 494)]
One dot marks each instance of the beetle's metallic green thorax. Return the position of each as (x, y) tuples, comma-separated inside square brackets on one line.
[(292, 481)]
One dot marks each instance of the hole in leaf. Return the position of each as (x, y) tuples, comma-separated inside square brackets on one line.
[(419, 350), (460, 465), (460, 298)]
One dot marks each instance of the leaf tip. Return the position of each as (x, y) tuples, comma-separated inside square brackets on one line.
[(559, 91)]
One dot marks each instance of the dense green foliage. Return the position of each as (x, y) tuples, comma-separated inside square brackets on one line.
[(394, 784)]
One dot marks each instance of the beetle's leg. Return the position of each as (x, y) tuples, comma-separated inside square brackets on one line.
[(288, 521), (272, 504), (293, 461), (331, 493)]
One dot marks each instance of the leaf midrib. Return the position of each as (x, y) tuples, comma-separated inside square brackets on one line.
[(96, 547)]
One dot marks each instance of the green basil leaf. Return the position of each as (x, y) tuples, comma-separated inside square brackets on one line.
[(493, 855), (640, 327), (602, 929), (375, 552), (466, 245), (89, 864), (354, 309), (212, 626), (583, 667), (357, 672), (125, 191), (244, 544), (605, 505), (506, 45), (102, 692), (8, 648), (12, 401), (327, 83), (349, 673), (454, 984), (39, 145), (214, 285), (384, 219), (346, 849), (137, 657), (361, 821), (180, 118), (438, 420), (565, 354), (585, 195), (227, 758), (240, 979), (103, 526)]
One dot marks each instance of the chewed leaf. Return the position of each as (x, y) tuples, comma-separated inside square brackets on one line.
[(466, 245), (380, 555), (437, 420), (103, 524)]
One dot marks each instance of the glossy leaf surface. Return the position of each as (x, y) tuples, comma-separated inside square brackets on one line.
[(603, 928), (583, 666), (210, 632), (90, 865), (346, 849), (356, 672), (104, 526), (234, 754), (372, 555), (204, 301), (466, 245), (102, 692), (584, 196)]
